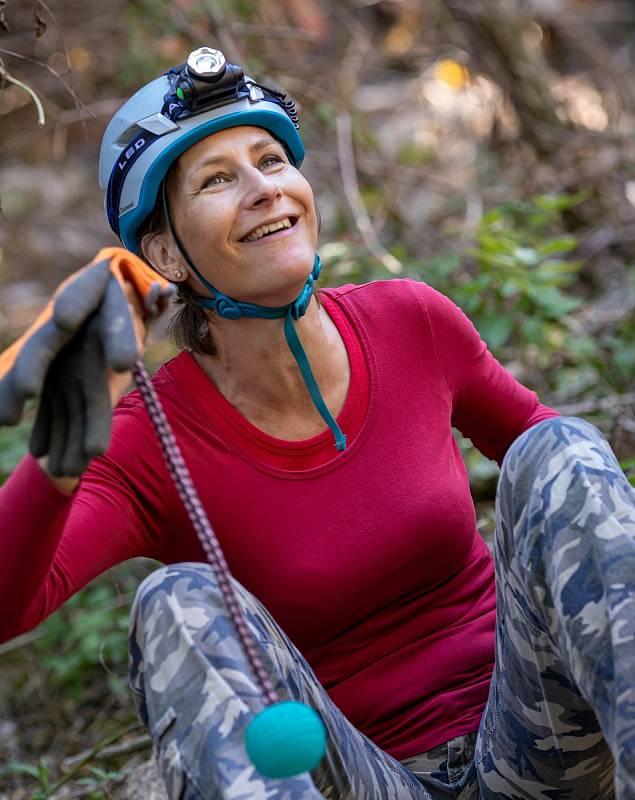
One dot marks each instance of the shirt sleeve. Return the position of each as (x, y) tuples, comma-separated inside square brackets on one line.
[(53, 543), (489, 406)]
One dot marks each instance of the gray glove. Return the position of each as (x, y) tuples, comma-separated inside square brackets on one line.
[(65, 358)]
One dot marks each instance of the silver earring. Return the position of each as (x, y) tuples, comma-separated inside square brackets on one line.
[(177, 274)]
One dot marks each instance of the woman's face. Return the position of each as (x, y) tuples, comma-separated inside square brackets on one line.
[(230, 185)]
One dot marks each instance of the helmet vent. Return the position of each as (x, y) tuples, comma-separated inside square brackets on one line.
[(129, 134)]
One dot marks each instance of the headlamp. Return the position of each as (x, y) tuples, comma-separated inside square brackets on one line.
[(205, 81)]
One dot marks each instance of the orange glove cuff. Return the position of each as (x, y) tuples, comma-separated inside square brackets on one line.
[(124, 265)]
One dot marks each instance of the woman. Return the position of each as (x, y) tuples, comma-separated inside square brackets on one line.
[(318, 433)]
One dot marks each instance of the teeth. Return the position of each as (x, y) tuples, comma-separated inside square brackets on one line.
[(265, 229)]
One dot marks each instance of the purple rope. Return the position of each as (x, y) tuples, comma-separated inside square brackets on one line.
[(188, 494)]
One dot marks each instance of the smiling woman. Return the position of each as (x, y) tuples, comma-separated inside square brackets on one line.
[(319, 438)]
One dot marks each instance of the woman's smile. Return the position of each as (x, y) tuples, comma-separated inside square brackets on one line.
[(274, 231)]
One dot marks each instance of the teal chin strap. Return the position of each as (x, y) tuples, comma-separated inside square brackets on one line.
[(229, 308), (295, 345)]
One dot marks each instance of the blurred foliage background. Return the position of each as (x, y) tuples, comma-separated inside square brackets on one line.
[(483, 146)]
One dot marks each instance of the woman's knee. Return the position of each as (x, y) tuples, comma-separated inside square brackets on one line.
[(546, 481), (549, 455), (176, 581), (548, 441), (180, 608)]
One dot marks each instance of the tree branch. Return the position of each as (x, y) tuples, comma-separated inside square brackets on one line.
[(344, 130)]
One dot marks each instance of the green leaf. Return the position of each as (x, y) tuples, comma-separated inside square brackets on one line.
[(20, 768), (492, 216), (442, 266), (628, 466), (624, 356), (501, 262), (495, 330), (509, 287), (533, 330), (104, 774), (43, 773), (527, 256), (325, 112), (492, 244), (562, 244), (551, 300), (558, 272), (13, 445), (411, 154), (560, 202), (581, 347)]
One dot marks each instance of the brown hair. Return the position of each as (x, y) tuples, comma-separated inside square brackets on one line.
[(190, 325)]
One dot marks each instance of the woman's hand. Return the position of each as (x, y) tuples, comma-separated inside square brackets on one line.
[(73, 453), (118, 382), (78, 357)]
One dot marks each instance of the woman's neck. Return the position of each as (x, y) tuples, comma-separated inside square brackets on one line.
[(254, 368)]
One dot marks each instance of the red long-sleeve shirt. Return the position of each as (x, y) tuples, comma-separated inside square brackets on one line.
[(369, 559)]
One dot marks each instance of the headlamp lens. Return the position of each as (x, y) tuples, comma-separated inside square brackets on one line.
[(205, 62)]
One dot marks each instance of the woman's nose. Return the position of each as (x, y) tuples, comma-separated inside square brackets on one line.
[(262, 189)]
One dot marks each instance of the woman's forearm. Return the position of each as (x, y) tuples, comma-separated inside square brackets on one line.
[(32, 519)]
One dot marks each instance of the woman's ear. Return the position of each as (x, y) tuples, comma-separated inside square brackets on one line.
[(159, 250)]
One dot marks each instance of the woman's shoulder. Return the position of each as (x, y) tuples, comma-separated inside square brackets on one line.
[(392, 296), (166, 381), (384, 290), (131, 420)]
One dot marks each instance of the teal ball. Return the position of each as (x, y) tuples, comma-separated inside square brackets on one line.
[(285, 739)]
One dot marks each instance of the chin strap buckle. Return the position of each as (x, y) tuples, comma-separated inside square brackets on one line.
[(300, 305)]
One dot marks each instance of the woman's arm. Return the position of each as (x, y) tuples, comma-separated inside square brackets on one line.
[(53, 543), (489, 406)]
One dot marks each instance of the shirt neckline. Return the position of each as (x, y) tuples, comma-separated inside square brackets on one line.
[(281, 455)]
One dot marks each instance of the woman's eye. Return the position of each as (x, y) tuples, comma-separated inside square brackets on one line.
[(213, 180), (269, 161)]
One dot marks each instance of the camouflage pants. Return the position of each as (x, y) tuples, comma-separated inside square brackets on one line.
[(560, 719)]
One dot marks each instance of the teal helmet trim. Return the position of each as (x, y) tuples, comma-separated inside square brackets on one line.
[(272, 121)]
